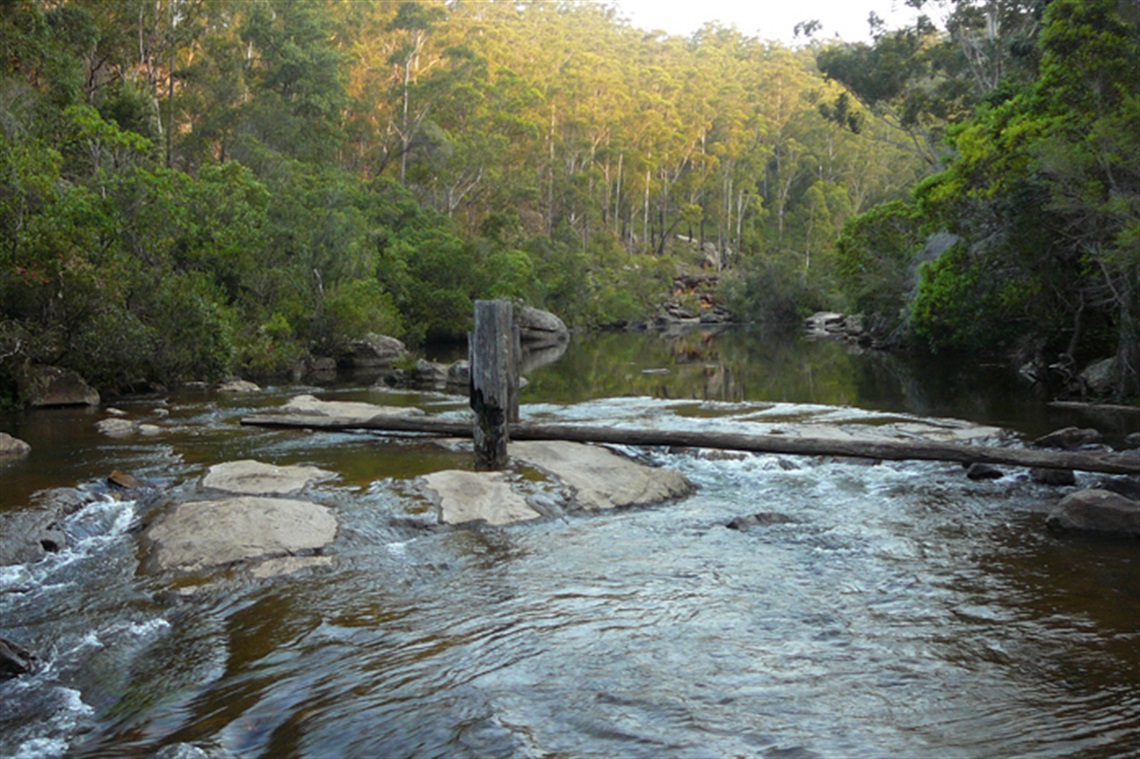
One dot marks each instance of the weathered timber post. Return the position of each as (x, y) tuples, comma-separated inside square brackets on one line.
[(494, 381)]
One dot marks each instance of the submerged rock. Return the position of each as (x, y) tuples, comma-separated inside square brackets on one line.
[(250, 477), (203, 534), (464, 497), (759, 519), (1098, 511)]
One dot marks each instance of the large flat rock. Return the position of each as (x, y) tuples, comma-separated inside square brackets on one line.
[(249, 477), (464, 497), (309, 405), (600, 478), (202, 534)]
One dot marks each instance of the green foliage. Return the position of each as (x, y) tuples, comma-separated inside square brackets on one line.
[(873, 257), (771, 289), (961, 305)]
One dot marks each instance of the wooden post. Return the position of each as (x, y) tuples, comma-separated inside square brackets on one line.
[(493, 363)]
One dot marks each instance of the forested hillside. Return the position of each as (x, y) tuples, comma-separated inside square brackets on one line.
[(194, 187)]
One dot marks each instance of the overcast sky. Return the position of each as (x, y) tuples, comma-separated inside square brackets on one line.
[(766, 19)]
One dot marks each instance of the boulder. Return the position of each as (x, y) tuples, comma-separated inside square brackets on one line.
[(1100, 377), (1097, 511), (1069, 439), (12, 446), (464, 497), (202, 534), (600, 478), (250, 477), (459, 376), (428, 375), (979, 471), (236, 385), (44, 386), (537, 326), (15, 660), (376, 352), (1058, 477), (28, 536)]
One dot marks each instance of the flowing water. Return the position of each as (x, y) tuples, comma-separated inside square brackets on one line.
[(902, 610)]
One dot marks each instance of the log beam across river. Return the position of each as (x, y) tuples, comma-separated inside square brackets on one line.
[(1106, 463)]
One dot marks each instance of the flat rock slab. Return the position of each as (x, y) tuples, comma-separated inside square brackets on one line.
[(601, 479), (464, 497), (250, 477), (308, 405), (202, 534)]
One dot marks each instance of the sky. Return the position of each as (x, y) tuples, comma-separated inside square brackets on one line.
[(766, 19)]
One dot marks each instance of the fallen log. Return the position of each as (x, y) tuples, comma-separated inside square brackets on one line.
[(1107, 463)]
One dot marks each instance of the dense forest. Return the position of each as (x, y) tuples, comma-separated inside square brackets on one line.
[(192, 188)]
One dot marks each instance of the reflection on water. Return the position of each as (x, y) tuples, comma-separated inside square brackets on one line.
[(900, 610)]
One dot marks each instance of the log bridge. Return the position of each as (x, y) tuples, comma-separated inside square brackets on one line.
[(494, 353)]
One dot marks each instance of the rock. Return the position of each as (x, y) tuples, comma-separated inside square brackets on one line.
[(464, 497), (428, 375), (28, 536), (236, 385), (537, 326), (1100, 377), (979, 471), (1132, 440), (44, 386), (15, 660), (760, 519), (250, 477), (287, 565), (112, 411), (115, 427), (122, 480), (149, 430), (202, 534), (1129, 487), (600, 478), (13, 446), (1095, 510), (1059, 477), (308, 405), (376, 352), (1068, 439), (459, 376)]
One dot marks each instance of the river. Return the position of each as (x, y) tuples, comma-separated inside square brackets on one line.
[(901, 611)]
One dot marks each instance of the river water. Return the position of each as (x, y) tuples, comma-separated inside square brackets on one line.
[(901, 611)]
